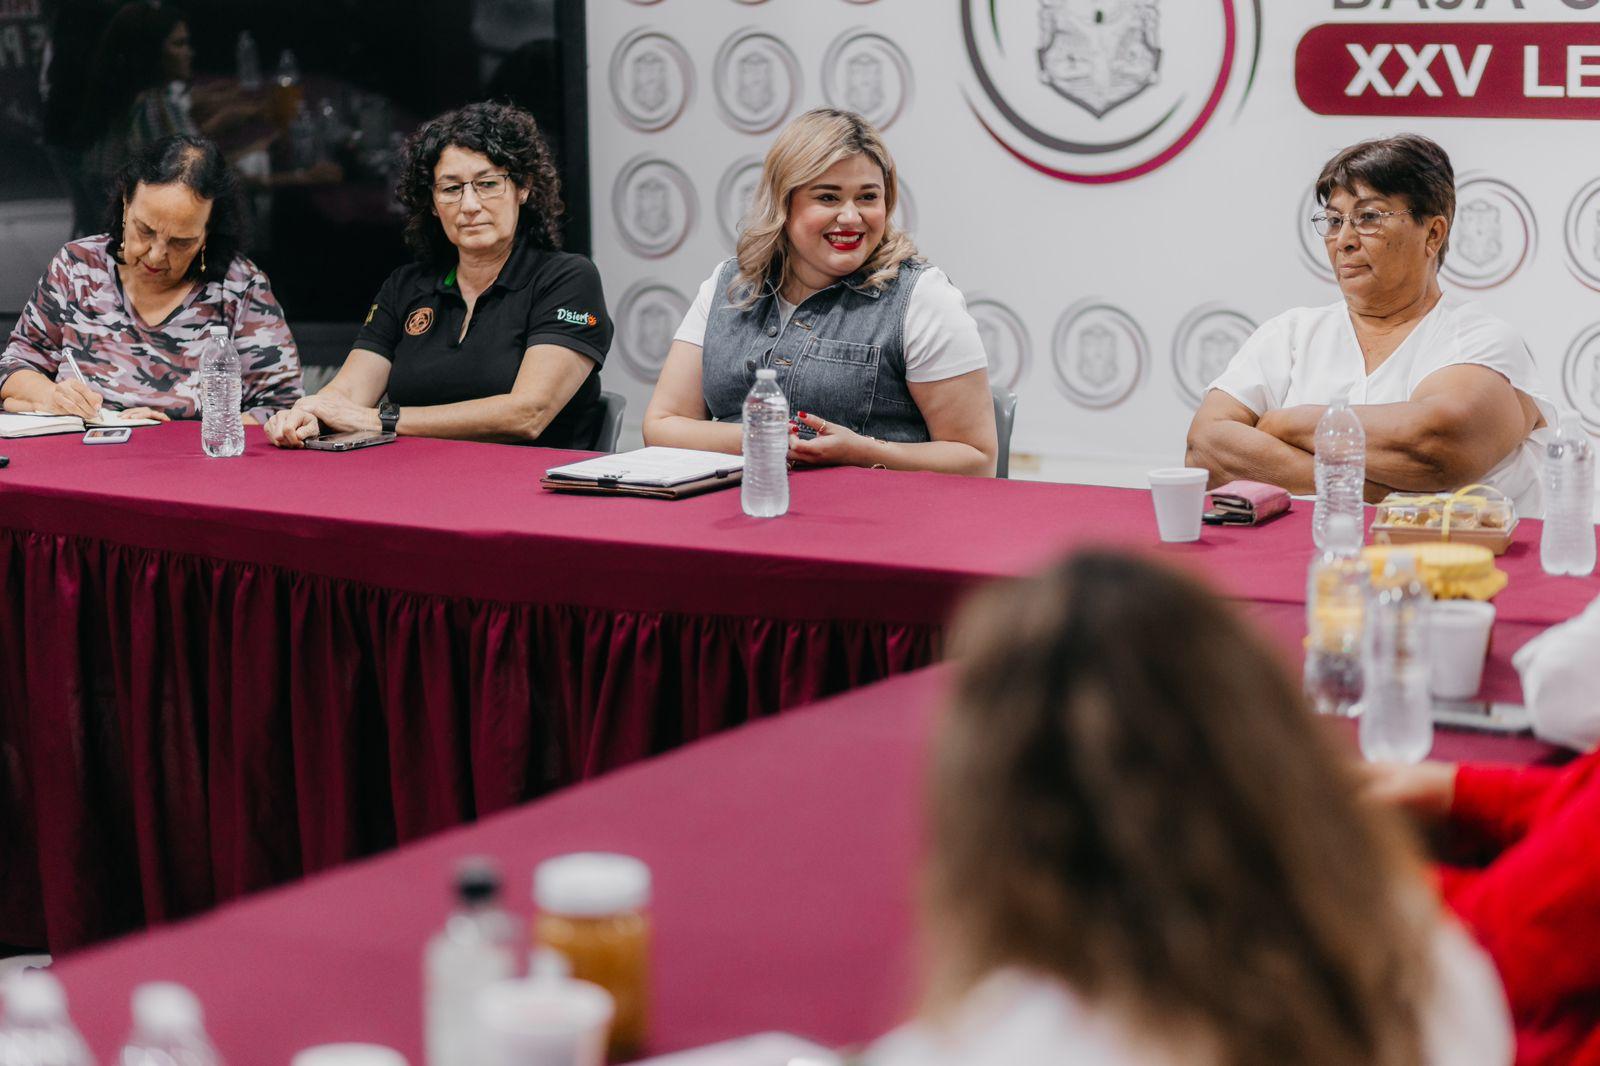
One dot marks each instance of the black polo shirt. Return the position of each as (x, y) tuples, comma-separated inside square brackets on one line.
[(540, 297)]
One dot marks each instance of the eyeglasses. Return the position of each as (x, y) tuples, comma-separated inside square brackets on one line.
[(1366, 222), (488, 187)]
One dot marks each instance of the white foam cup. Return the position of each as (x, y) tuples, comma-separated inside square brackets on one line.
[(545, 1022), (1179, 494), (1458, 643)]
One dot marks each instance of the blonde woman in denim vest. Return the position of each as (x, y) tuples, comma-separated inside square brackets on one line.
[(873, 347)]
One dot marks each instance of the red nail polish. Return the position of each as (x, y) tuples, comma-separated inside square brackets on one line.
[(800, 414)]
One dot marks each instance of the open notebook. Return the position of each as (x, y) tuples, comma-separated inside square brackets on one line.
[(39, 425)]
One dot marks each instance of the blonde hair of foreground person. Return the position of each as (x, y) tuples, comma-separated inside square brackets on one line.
[(1130, 796), (803, 152)]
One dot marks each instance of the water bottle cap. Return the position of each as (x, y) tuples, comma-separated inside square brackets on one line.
[(217, 330), (591, 884), (477, 880), (766, 374), (34, 997), (166, 1008)]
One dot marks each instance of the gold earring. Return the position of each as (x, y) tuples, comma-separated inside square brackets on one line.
[(202, 260)]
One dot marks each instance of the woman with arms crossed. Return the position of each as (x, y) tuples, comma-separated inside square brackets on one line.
[(494, 334), (873, 347), (1448, 394)]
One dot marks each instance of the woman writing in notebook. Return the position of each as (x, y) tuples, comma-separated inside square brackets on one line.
[(874, 348), (118, 318)]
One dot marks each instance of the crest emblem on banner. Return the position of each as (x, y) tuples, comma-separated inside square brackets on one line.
[(651, 79), (1494, 234), (754, 89), (1005, 341), (651, 210), (1581, 235), (1100, 354), (757, 81), (653, 205), (1099, 53), (1478, 232), (735, 194), (863, 83), (1098, 91), (1097, 356), (1205, 343), (867, 73), (1580, 377), (647, 316)]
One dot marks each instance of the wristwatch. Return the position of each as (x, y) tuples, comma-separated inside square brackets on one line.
[(389, 415)]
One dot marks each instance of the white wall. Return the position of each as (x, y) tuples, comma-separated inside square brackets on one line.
[(1104, 300)]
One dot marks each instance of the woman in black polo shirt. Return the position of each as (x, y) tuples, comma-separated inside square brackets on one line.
[(493, 334)]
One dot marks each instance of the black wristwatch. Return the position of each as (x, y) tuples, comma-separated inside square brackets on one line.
[(389, 415)]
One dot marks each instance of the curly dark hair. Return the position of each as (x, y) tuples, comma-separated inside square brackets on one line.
[(510, 137), (200, 165), (1130, 794)]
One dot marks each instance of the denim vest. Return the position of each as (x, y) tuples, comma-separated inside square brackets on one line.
[(842, 356)]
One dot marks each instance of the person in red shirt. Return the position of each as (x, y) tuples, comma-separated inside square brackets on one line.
[(1521, 848)]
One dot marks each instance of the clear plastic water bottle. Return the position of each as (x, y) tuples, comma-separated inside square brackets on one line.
[(247, 62), (221, 425), (1336, 604), (168, 1029), (478, 946), (34, 1028), (1396, 703), (1567, 546), (765, 489), (1341, 457)]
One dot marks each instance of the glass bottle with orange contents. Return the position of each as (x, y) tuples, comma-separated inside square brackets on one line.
[(592, 910)]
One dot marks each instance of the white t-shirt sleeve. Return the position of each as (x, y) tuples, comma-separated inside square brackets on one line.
[(692, 330), (1477, 338), (1258, 374), (941, 338)]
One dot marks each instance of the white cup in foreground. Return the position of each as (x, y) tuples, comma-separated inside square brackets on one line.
[(1179, 494), (547, 1022), (1458, 643), (348, 1055)]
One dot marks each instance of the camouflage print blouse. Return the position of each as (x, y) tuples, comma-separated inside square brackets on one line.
[(80, 305)]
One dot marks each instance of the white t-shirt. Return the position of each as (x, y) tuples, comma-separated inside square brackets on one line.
[(941, 338), (1016, 1018), (1310, 354)]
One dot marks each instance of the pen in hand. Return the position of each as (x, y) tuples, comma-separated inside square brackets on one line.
[(90, 401), (72, 364)]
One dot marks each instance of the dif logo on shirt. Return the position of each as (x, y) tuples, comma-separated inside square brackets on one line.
[(576, 318)]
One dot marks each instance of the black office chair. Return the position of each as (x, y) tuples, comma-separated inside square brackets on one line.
[(323, 347), (610, 420), (1005, 416), (8, 322)]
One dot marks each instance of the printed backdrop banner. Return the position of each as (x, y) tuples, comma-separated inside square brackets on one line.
[(1122, 188)]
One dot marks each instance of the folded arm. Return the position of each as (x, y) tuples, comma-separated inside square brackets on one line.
[(1457, 426), (1225, 439)]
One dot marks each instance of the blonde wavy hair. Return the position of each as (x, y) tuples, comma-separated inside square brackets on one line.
[(802, 153)]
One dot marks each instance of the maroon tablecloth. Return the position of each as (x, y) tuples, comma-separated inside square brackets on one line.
[(783, 855), (217, 675)]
